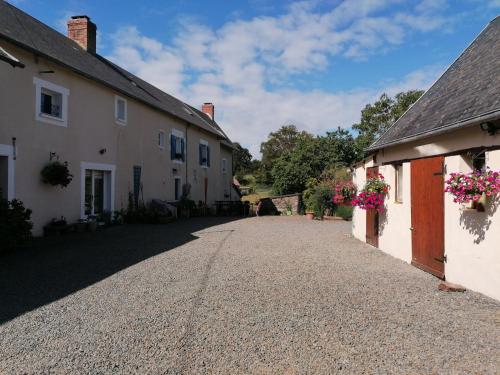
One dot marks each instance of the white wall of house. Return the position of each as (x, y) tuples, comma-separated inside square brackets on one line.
[(472, 239), (395, 221), (91, 134)]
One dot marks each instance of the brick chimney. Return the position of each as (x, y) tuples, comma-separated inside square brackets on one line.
[(209, 109), (83, 31)]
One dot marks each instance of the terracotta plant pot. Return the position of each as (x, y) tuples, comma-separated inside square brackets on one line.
[(309, 215)]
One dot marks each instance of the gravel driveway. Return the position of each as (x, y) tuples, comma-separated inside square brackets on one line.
[(265, 295)]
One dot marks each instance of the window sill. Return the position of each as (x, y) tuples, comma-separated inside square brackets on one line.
[(121, 122), (398, 202), (43, 117), (177, 161)]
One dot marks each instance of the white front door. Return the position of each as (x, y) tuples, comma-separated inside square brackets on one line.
[(97, 188), (97, 192)]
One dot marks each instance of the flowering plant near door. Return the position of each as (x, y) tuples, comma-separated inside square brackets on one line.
[(345, 191), (473, 187), (373, 194)]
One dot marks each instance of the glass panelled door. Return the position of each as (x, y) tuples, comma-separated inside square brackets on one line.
[(96, 192)]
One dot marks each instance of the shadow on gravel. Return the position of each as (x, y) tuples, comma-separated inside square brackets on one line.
[(52, 268)]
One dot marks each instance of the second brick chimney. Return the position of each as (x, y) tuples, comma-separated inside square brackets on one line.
[(209, 109), (83, 31)]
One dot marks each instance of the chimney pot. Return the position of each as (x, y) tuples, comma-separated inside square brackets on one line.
[(83, 31), (209, 109)]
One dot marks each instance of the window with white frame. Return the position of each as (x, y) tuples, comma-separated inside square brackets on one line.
[(398, 181), (161, 139), (177, 146), (51, 102), (120, 110), (204, 153)]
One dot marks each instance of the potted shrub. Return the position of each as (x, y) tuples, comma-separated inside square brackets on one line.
[(56, 173), (373, 194), (474, 188)]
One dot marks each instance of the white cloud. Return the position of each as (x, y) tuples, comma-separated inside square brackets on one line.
[(245, 66)]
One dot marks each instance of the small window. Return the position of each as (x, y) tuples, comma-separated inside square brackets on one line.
[(161, 139), (398, 174), (51, 103), (479, 161), (204, 153), (177, 147), (120, 110), (177, 188)]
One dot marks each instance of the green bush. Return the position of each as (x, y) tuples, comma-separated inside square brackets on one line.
[(15, 224), (345, 212)]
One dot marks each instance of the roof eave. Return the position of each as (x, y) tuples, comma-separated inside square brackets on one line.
[(493, 115)]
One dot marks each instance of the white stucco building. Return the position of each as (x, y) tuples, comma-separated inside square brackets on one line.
[(453, 127)]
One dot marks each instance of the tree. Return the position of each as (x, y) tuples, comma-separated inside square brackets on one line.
[(242, 161), (292, 169), (339, 148), (376, 118), (279, 143)]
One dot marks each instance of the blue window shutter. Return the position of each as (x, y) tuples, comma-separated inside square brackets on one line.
[(200, 148), (182, 150), (172, 146), (208, 156)]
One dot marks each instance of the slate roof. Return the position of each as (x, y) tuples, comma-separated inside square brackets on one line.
[(467, 93), (21, 29)]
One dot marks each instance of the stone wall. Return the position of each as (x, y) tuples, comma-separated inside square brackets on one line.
[(294, 200)]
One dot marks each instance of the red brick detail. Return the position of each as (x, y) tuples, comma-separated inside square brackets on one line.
[(209, 109), (83, 31)]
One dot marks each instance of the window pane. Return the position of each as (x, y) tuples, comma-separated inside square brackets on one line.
[(399, 183), (120, 110)]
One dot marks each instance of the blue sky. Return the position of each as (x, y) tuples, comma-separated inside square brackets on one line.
[(263, 63)]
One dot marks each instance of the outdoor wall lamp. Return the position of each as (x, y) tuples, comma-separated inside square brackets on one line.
[(490, 127), (102, 151)]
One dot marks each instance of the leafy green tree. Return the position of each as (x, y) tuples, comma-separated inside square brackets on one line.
[(338, 148), (376, 118), (292, 170), (277, 144), (242, 161)]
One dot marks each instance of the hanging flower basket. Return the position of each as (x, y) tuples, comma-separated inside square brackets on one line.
[(373, 194), (56, 173), (345, 191), (474, 188)]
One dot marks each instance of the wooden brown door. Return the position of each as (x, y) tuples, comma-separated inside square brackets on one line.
[(372, 216), (427, 214)]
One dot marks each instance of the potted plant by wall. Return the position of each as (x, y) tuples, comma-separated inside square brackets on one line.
[(92, 223), (56, 173), (372, 195), (473, 189)]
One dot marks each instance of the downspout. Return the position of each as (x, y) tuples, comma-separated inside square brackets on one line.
[(187, 153)]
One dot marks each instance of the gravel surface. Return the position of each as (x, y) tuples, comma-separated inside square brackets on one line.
[(269, 295)]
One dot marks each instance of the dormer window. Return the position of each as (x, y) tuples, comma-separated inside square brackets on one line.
[(120, 110), (51, 103)]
